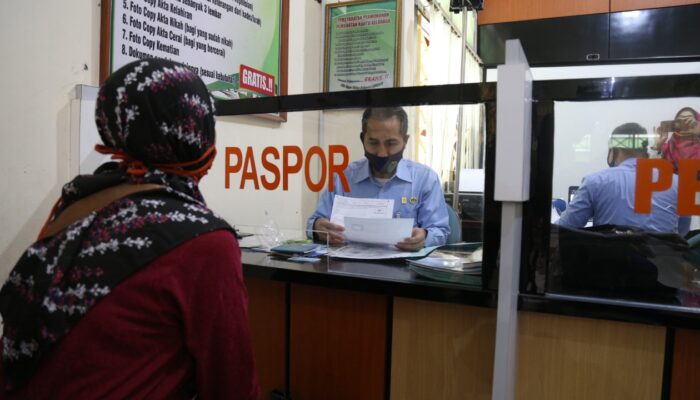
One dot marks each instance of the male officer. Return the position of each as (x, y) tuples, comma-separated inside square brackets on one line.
[(384, 174)]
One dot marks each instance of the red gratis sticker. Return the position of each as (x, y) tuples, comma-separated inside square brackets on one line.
[(257, 81)]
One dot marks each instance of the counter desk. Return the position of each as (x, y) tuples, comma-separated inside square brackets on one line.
[(343, 329)]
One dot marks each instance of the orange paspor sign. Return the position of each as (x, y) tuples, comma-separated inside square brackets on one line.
[(688, 184), (292, 162)]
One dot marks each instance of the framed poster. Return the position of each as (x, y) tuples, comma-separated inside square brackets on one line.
[(362, 44), (238, 47)]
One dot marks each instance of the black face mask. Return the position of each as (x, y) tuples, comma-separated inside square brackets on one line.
[(385, 166)]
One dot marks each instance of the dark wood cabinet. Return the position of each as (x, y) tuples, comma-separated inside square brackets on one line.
[(548, 41), (338, 344), (336, 341), (268, 327), (656, 33), (686, 365), (360, 330), (652, 34)]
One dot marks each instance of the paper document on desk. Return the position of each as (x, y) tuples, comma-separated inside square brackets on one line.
[(378, 230), (361, 208), (359, 251)]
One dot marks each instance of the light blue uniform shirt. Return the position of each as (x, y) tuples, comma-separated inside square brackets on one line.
[(608, 197), (416, 183)]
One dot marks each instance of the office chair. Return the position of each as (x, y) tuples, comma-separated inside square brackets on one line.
[(455, 226), (597, 261)]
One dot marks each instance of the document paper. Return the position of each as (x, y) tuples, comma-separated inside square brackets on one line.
[(361, 208), (358, 251), (377, 230)]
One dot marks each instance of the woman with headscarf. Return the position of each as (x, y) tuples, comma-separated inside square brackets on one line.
[(684, 141), (134, 287)]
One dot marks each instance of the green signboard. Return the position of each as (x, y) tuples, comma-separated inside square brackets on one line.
[(236, 46), (362, 43)]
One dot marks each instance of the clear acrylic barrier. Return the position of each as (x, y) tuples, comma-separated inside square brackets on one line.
[(284, 245), (272, 205), (269, 176), (458, 263), (268, 236)]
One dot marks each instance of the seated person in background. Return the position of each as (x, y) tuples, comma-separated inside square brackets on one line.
[(684, 142), (134, 288), (383, 174), (607, 196)]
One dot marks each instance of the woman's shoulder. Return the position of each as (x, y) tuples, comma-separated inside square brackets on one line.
[(215, 253), (213, 242)]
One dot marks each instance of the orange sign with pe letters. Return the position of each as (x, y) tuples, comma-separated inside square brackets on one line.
[(688, 184)]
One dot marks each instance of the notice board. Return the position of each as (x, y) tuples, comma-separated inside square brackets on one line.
[(362, 45), (237, 47)]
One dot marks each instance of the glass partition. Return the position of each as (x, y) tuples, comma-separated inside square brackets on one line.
[(282, 180), (623, 201)]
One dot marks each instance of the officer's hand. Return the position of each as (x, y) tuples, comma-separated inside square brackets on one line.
[(415, 242), (328, 232)]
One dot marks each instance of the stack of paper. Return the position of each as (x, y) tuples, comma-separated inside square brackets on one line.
[(294, 249), (450, 266), (359, 251)]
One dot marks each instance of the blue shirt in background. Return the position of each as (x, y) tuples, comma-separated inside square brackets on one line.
[(607, 196), (415, 183)]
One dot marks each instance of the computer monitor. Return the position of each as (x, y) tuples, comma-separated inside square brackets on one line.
[(472, 206)]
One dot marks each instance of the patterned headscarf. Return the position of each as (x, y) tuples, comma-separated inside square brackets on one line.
[(156, 117)]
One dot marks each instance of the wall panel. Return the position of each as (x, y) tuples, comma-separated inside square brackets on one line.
[(686, 365), (441, 351), (496, 11), (266, 313), (337, 344), (580, 358)]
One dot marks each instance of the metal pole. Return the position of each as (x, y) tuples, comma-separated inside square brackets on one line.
[(512, 187), (460, 115)]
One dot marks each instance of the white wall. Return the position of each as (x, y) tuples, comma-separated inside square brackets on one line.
[(50, 46)]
